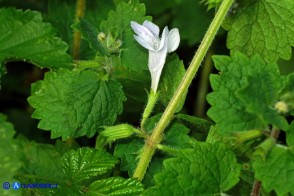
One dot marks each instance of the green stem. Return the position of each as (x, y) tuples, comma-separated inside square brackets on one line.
[(152, 99), (80, 11), (156, 137)]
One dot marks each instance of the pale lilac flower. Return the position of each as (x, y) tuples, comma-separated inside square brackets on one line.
[(148, 37)]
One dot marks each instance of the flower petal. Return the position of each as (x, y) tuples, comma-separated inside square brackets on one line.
[(173, 40), (152, 27), (145, 34), (164, 38), (143, 42), (156, 62)]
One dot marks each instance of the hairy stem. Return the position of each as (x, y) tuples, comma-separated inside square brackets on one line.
[(80, 11), (152, 99), (156, 137)]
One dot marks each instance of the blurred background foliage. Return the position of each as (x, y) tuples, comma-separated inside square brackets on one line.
[(190, 16)]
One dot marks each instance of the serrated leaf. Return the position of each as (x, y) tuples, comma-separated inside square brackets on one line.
[(262, 92), (75, 103), (205, 169), (133, 55), (265, 27), (116, 186), (277, 171), (171, 77), (26, 37), (233, 93), (85, 163)]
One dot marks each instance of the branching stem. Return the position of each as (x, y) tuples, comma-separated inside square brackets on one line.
[(156, 137)]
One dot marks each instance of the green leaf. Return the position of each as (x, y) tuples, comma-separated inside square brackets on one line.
[(118, 23), (135, 85), (277, 171), (199, 127), (244, 187), (135, 82), (40, 161), (171, 77), (116, 186), (176, 134), (262, 92), (73, 103), (265, 27), (205, 169), (9, 152), (26, 37), (244, 94), (85, 163), (127, 152)]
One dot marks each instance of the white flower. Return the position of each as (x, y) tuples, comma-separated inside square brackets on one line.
[(148, 37)]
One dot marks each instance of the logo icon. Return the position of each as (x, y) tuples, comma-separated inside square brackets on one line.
[(6, 185), (16, 185)]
